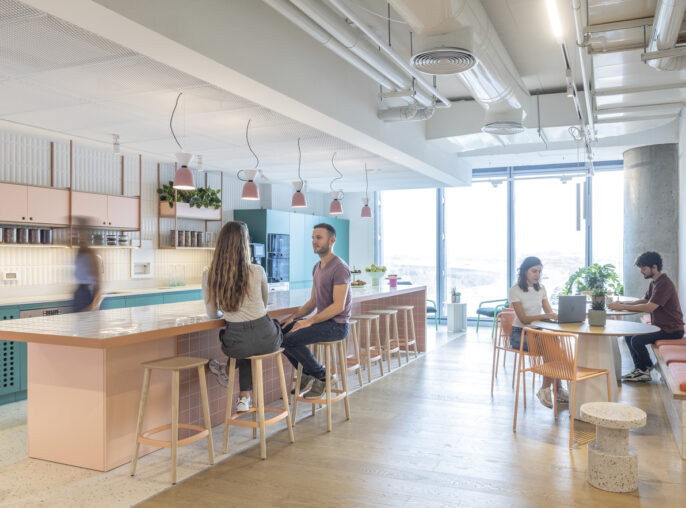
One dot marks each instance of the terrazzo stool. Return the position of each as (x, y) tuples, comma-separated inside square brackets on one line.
[(612, 464)]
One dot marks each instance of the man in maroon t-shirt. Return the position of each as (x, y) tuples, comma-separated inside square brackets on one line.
[(662, 301), (331, 298)]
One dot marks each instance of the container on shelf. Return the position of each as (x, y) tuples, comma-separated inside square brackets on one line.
[(194, 239), (34, 236), (9, 234), (46, 236), (187, 236), (200, 241), (124, 239), (1, 235), (111, 239), (22, 235), (96, 239)]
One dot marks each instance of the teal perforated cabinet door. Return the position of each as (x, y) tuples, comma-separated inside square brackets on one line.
[(12, 360)]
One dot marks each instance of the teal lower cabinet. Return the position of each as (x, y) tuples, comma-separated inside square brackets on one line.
[(12, 363), (139, 300), (182, 296), (117, 302)]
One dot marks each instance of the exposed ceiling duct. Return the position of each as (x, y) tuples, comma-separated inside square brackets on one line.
[(457, 37), (669, 15)]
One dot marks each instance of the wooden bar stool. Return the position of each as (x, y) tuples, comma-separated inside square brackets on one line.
[(330, 357), (258, 409), (391, 343), (175, 364), (353, 360), (410, 336), (370, 353)]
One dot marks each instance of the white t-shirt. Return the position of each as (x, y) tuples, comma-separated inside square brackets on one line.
[(254, 305), (531, 300)]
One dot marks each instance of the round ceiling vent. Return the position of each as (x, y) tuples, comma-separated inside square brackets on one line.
[(444, 61), (503, 128)]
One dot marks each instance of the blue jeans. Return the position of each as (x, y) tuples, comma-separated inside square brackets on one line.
[(637, 346), (295, 344)]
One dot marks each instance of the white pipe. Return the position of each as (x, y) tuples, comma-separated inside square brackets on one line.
[(576, 7), (317, 33), (349, 37), (419, 78), (666, 25)]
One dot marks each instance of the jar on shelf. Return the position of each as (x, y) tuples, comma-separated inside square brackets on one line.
[(187, 235), (22, 235)]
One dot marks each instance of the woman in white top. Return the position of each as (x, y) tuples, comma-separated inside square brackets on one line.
[(237, 289), (530, 301)]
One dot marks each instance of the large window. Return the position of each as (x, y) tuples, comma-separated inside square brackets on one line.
[(608, 219), (408, 235), (545, 218), (476, 243)]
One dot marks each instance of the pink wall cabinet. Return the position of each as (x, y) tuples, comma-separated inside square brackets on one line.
[(13, 203), (86, 204), (122, 212), (48, 206)]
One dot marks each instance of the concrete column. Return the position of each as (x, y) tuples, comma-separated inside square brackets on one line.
[(651, 207)]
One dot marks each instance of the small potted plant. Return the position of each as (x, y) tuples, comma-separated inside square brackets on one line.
[(597, 315), (598, 295), (375, 273), (455, 296)]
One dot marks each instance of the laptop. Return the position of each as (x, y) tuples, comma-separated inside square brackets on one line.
[(571, 309)]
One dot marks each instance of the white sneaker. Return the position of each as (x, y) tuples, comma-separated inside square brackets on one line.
[(562, 395), (545, 398), (219, 369), (243, 404)]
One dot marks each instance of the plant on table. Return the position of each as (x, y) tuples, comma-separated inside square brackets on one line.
[(455, 294), (597, 315), (375, 273), (593, 279)]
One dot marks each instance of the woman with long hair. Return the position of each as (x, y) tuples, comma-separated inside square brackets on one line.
[(237, 289), (530, 301)]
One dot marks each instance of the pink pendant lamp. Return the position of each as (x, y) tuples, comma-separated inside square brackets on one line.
[(183, 178), (298, 200), (250, 190), (335, 208), (366, 212)]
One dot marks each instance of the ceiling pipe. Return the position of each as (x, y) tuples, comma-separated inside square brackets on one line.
[(464, 26), (350, 38), (294, 15), (669, 15), (405, 114), (590, 120), (345, 9)]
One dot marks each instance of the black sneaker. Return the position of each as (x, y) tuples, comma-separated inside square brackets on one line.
[(305, 383), (318, 388), (638, 375)]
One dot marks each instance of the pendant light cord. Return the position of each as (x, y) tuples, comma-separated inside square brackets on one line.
[(171, 128), (337, 178), (302, 182), (257, 159), (366, 180)]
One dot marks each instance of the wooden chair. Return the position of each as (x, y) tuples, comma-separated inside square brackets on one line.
[(554, 355), (503, 328), (175, 364), (410, 336), (353, 360), (370, 353), (329, 399), (391, 343), (258, 409)]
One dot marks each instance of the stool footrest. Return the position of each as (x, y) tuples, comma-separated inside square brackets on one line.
[(340, 394), (256, 425), (145, 439)]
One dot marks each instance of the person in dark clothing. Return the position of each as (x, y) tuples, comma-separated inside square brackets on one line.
[(662, 301)]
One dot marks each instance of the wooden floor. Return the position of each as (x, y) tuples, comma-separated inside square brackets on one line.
[(430, 435)]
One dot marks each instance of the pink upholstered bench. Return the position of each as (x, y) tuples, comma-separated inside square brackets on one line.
[(673, 354), (675, 342), (678, 371)]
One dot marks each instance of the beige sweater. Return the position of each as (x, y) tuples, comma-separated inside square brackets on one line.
[(254, 304)]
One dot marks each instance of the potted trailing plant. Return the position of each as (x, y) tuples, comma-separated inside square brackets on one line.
[(455, 295), (597, 315), (588, 279), (206, 197), (598, 295), (169, 194)]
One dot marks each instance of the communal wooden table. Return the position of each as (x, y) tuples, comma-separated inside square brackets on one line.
[(596, 351)]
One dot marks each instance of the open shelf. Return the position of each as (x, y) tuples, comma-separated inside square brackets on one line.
[(185, 211)]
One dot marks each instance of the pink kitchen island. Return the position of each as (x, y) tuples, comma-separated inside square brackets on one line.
[(84, 373)]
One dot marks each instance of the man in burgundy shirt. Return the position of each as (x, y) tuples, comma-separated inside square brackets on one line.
[(662, 301), (332, 300)]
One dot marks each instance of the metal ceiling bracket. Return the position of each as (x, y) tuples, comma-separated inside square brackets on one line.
[(656, 55)]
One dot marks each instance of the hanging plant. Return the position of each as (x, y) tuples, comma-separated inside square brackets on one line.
[(198, 198)]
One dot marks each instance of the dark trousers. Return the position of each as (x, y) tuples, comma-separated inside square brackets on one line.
[(637, 346), (295, 344), (249, 338)]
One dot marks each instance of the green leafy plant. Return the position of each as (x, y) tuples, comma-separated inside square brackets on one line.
[(455, 292), (201, 197), (375, 268), (598, 279), (598, 305)]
